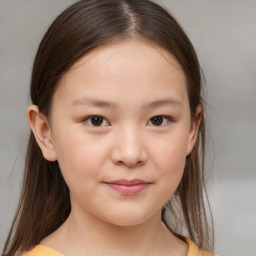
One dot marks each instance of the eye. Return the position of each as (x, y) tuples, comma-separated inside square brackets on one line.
[(160, 120), (96, 121)]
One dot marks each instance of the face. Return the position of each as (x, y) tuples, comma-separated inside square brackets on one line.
[(121, 129)]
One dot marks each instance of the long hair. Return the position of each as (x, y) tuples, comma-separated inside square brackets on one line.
[(45, 203)]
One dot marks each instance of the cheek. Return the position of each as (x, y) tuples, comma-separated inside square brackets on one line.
[(80, 158), (171, 152), (170, 155), (172, 168)]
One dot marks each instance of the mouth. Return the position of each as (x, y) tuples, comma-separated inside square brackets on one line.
[(128, 187)]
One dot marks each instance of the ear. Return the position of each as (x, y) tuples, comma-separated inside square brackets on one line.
[(42, 132), (193, 133)]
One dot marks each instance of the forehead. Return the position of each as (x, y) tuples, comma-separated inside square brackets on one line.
[(123, 67), (127, 53)]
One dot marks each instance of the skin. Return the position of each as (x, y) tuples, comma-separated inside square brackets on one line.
[(127, 145)]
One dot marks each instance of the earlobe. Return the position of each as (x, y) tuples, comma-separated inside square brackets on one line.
[(195, 124), (42, 132)]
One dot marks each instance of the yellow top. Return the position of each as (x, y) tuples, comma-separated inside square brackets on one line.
[(42, 250)]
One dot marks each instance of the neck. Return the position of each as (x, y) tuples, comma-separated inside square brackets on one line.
[(81, 235), (97, 235)]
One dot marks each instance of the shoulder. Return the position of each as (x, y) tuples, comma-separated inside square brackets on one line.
[(193, 249), (42, 250)]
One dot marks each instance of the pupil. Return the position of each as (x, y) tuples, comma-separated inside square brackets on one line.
[(97, 120), (157, 120)]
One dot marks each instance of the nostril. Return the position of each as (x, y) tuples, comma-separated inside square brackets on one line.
[(140, 163), (131, 164)]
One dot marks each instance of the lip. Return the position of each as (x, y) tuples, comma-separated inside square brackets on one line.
[(128, 187)]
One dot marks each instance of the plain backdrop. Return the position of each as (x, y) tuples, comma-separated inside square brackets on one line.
[(224, 35)]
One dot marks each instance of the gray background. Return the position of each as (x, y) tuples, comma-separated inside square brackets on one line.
[(224, 35)]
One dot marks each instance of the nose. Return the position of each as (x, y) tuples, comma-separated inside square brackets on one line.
[(129, 149)]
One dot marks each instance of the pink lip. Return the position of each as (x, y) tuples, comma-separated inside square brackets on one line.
[(128, 187)]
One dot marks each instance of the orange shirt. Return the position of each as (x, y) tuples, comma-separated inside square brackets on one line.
[(42, 250)]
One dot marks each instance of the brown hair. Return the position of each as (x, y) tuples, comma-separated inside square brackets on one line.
[(45, 204)]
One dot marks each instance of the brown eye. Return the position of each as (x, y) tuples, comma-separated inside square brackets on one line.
[(96, 121), (160, 120)]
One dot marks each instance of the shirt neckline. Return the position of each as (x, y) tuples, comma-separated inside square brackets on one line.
[(192, 248)]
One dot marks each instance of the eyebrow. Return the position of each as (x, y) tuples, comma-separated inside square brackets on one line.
[(105, 104)]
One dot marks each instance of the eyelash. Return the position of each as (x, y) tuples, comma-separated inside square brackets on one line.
[(168, 119)]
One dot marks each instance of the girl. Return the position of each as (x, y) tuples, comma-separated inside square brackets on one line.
[(115, 158)]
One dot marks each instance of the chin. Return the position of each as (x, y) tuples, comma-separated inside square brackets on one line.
[(128, 218), (127, 222)]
